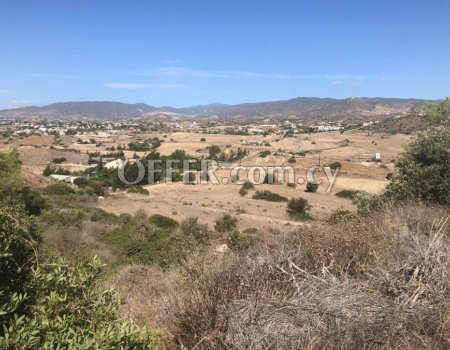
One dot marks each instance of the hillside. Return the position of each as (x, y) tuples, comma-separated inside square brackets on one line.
[(301, 106)]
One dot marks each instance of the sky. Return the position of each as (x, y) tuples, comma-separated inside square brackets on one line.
[(184, 53)]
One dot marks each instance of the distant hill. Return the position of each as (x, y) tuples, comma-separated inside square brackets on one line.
[(89, 109), (301, 106)]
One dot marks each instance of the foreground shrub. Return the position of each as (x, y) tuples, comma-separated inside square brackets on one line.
[(269, 196), (422, 170), (377, 283), (56, 304), (71, 311)]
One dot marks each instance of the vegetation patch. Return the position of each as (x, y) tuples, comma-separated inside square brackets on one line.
[(269, 196)]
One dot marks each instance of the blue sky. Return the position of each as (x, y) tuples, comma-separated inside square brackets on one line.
[(183, 53)]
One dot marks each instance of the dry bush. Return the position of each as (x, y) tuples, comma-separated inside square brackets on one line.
[(383, 283), (345, 248), (144, 289), (207, 285), (191, 228), (78, 242)]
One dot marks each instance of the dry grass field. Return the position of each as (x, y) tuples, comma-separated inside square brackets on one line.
[(353, 150)]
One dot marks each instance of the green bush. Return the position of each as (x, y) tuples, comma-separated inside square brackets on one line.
[(138, 189), (264, 154), (67, 216), (162, 221), (335, 165), (269, 196), (81, 182), (56, 304), (19, 241), (348, 194), (59, 189), (311, 187), (292, 160), (59, 160), (423, 169)]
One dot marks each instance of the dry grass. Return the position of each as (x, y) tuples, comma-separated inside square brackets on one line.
[(383, 283)]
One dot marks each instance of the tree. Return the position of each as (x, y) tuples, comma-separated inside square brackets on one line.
[(423, 169)]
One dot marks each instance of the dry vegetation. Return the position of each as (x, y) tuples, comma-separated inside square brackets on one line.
[(381, 283)]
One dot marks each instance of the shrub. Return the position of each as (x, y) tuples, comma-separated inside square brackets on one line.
[(239, 242), (422, 170), (269, 196), (81, 182), (69, 216), (311, 187), (19, 240), (339, 215), (33, 201), (162, 221), (292, 160), (348, 194), (202, 139), (59, 160), (248, 185), (368, 202), (243, 191), (225, 223), (98, 187), (297, 206), (191, 228), (59, 189), (47, 171), (335, 165), (264, 154), (56, 304), (138, 189)]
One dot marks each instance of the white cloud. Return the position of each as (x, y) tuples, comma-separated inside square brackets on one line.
[(137, 86), (336, 82), (196, 73)]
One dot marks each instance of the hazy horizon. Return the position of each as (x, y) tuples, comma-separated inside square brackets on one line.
[(181, 54)]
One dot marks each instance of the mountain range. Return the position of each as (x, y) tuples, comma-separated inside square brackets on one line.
[(300, 106)]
